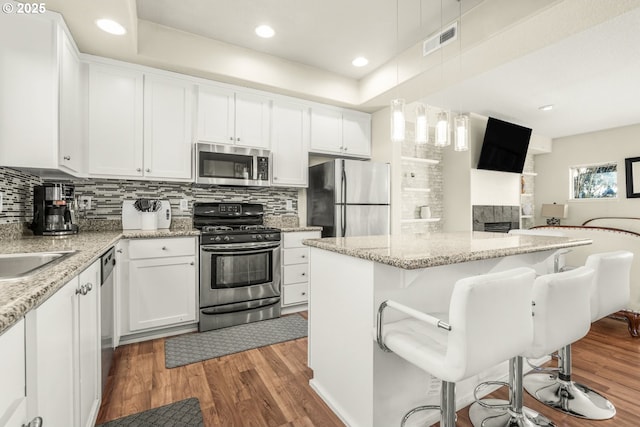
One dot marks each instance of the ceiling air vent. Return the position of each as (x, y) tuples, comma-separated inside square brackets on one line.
[(442, 38)]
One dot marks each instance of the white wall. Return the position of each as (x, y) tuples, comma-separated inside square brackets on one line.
[(552, 182)]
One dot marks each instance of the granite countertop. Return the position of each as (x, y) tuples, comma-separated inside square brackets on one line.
[(413, 251), (296, 229), (17, 297)]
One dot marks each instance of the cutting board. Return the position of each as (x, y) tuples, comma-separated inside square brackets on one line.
[(132, 220)]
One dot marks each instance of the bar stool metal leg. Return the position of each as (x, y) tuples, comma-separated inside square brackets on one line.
[(561, 393), (447, 408), (512, 413)]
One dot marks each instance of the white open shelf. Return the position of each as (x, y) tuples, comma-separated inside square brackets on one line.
[(526, 216), (421, 160), (526, 194), (530, 173), (417, 190), (420, 220)]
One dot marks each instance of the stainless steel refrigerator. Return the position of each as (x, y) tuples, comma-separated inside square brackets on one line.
[(349, 198)]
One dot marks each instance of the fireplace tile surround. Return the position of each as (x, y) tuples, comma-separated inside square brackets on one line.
[(487, 214)]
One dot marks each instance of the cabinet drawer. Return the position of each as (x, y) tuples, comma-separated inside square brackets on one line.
[(295, 256), (295, 273), (294, 240), (295, 294), (155, 248)]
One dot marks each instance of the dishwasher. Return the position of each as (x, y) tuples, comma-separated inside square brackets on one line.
[(108, 262)]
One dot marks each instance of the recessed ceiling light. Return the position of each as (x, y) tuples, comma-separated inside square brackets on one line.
[(360, 61), (546, 107), (111, 27), (265, 31)]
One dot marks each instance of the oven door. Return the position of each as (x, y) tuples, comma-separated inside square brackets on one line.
[(231, 273)]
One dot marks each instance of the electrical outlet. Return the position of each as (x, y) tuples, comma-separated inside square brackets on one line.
[(289, 205), (184, 205), (85, 203)]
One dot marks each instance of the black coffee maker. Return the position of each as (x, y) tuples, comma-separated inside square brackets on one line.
[(54, 210)]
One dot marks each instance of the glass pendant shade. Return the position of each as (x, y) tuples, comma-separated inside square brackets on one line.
[(422, 125), (461, 139), (442, 130), (397, 120)]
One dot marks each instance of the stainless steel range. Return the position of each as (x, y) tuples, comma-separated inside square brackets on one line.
[(239, 265)]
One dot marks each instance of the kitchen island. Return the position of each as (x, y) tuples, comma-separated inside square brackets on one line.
[(351, 276)]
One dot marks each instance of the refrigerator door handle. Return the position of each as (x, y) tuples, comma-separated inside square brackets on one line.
[(343, 211)]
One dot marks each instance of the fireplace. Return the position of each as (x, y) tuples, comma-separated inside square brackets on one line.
[(497, 219)]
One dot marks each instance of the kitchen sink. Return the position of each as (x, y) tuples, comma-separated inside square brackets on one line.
[(19, 266)]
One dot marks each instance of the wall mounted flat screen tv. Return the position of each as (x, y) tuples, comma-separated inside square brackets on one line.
[(504, 147)]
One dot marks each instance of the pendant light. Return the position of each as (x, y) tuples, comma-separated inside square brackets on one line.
[(442, 130), (461, 122), (397, 120), (422, 124), (397, 105)]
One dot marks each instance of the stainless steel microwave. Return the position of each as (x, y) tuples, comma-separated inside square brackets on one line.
[(220, 164)]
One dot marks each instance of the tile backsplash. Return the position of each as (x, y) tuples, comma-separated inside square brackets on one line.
[(107, 196)]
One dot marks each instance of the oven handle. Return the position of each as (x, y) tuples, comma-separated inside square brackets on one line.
[(247, 249), (240, 306)]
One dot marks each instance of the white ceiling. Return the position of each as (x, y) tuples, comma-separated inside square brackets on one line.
[(592, 78), (326, 34), (581, 55)]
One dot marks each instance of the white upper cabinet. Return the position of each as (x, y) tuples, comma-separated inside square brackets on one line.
[(290, 144), (139, 125), (229, 117), (40, 81), (167, 128), (115, 121), (340, 132), (356, 134)]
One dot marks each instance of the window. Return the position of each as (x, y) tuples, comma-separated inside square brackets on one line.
[(594, 181)]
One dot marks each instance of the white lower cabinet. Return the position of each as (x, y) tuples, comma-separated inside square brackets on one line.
[(63, 363), (13, 399), (159, 289), (295, 267)]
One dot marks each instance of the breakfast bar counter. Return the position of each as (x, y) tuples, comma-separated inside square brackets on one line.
[(348, 279)]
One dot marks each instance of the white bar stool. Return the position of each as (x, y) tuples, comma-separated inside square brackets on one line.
[(469, 342), (610, 293), (553, 296)]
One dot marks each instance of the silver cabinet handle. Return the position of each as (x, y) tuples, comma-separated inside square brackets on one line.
[(230, 138), (275, 178), (192, 263), (148, 170), (164, 248), (238, 139), (304, 293), (304, 274), (89, 286), (303, 256), (82, 290), (138, 170), (119, 251), (67, 157), (346, 148), (36, 422)]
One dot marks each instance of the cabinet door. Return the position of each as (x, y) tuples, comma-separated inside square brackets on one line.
[(253, 120), (167, 128), (216, 115), (356, 134), (28, 91), (70, 133), (290, 144), (162, 292), (13, 401), (51, 359), (88, 384), (115, 121), (326, 130)]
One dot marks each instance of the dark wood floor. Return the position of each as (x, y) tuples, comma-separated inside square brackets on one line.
[(269, 386)]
